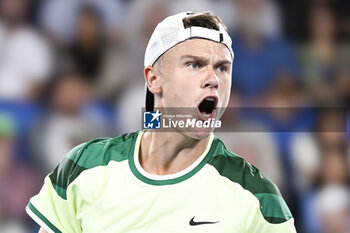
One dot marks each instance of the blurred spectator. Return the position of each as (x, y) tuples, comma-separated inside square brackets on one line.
[(60, 29), (67, 122), (307, 148), (343, 74), (113, 14), (330, 208), (17, 180), (130, 118), (25, 59), (225, 9), (11, 226), (319, 56), (258, 17), (306, 160), (317, 213), (332, 169), (91, 55), (144, 17), (333, 207), (331, 126), (263, 60)]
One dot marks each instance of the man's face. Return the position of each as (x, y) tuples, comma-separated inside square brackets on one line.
[(194, 72), (13, 11)]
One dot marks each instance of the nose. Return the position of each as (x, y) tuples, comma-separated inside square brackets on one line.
[(211, 80)]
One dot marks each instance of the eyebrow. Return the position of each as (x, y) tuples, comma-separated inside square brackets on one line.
[(204, 60)]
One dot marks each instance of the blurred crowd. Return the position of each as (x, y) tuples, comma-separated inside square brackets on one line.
[(72, 70)]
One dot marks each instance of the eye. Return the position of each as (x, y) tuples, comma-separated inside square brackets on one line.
[(194, 65), (222, 69)]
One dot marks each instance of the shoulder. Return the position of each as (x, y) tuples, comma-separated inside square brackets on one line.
[(88, 155), (100, 151), (237, 170)]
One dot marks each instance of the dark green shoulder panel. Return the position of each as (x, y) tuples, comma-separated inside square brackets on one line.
[(97, 152), (235, 168)]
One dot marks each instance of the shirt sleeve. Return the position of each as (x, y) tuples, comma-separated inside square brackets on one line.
[(54, 208), (51, 212), (269, 214)]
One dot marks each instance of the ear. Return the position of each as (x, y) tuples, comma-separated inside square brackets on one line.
[(153, 80)]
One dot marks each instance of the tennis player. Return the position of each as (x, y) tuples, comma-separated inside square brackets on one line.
[(162, 182)]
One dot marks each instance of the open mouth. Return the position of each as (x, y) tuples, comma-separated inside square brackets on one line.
[(207, 107)]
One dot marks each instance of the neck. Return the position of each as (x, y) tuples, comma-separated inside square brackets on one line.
[(323, 41), (89, 44), (163, 153), (324, 48)]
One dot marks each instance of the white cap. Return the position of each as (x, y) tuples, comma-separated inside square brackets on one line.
[(171, 31)]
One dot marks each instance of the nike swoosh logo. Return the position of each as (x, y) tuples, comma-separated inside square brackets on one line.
[(194, 223)]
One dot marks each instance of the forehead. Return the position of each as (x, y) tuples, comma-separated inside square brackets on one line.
[(200, 47)]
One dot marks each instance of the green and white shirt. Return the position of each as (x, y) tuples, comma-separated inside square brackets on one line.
[(101, 187)]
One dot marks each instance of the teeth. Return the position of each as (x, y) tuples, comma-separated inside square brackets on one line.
[(210, 98), (206, 114)]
